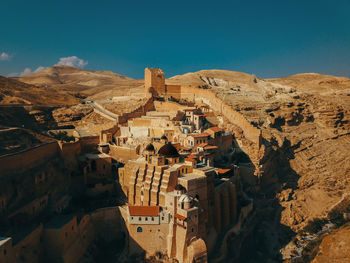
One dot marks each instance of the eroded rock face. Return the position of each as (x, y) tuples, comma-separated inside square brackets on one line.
[(335, 247), (71, 114), (305, 124)]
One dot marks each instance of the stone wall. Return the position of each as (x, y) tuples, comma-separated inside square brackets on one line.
[(173, 91), (202, 95), (109, 223), (122, 154), (140, 111), (89, 143), (102, 111), (154, 81), (24, 160), (69, 152), (30, 248)]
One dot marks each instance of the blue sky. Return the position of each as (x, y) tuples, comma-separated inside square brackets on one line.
[(262, 37)]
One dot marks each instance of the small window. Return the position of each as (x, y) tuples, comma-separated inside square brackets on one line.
[(139, 229), (162, 217), (139, 218), (146, 218), (152, 218), (132, 218), (192, 229), (158, 230)]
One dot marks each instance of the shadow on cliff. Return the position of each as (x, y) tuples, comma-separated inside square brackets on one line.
[(263, 235)]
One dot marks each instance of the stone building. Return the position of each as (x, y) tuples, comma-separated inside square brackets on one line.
[(175, 201)]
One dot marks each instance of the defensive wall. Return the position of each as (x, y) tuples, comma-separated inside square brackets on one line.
[(98, 108), (108, 223), (19, 162), (24, 160), (29, 247), (140, 111), (69, 152), (203, 95), (123, 154)]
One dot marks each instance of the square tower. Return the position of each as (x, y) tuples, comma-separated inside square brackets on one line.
[(154, 81)]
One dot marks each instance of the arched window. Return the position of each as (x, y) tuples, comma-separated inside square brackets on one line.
[(139, 229)]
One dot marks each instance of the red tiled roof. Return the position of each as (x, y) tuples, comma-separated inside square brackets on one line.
[(143, 210), (180, 217), (190, 160), (210, 147), (223, 171), (185, 148), (204, 134), (189, 109), (200, 115), (202, 145), (192, 156), (215, 129)]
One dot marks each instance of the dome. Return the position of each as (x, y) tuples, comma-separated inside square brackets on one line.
[(150, 148), (185, 198), (168, 150)]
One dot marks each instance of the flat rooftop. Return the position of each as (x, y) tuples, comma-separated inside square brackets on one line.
[(191, 176), (85, 133)]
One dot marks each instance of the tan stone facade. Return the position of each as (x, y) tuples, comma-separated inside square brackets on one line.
[(154, 81)]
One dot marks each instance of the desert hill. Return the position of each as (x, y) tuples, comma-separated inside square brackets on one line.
[(13, 91), (91, 84)]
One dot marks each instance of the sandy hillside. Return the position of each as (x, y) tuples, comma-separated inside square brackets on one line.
[(92, 84)]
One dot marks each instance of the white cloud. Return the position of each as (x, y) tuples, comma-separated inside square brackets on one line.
[(72, 61), (26, 72), (4, 56), (40, 68)]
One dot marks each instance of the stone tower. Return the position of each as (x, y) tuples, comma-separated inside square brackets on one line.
[(154, 81)]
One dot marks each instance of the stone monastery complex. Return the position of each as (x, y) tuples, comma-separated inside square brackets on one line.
[(164, 180)]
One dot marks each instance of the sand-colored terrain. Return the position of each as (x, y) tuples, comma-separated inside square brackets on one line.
[(305, 118), (89, 84)]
